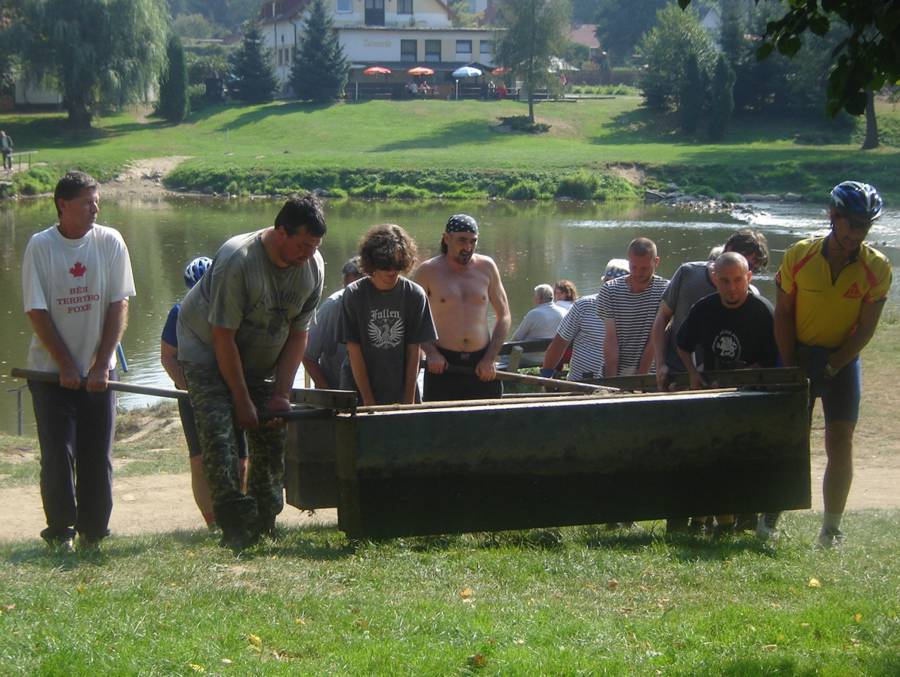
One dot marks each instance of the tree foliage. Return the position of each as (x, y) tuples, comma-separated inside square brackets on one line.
[(620, 25), (320, 69), (535, 31), (721, 105), (867, 59), (692, 95), (254, 77), (95, 51), (174, 102), (664, 51)]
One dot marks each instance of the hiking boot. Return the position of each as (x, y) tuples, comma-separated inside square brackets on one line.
[(830, 538), (765, 526)]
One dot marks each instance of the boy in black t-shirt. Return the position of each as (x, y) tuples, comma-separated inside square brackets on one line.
[(384, 319)]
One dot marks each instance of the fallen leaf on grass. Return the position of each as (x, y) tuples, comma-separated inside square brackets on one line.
[(769, 647), (466, 593), (197, 668), (254, 640), (814, 583), (612, 584), (857, 618), (518, 641), (300, 621), (477, 661)]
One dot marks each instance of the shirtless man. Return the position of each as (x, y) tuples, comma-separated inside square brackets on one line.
[(460, 284)]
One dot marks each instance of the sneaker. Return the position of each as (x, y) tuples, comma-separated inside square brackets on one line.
[(830, 538), (59, 542), (765, 526)]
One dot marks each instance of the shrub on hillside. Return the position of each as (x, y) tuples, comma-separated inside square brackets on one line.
[(579, 186), (523, 190)]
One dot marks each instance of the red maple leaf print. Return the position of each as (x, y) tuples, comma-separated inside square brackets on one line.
[(78, 270)]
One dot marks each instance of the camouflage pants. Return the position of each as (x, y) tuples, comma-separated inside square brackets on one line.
[(214, 413)]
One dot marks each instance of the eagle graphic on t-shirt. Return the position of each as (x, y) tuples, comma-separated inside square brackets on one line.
[(386, 333)]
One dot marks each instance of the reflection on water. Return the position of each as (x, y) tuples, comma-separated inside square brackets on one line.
[(532, 243)]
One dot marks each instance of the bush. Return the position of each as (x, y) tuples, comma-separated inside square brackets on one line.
[(35, 181), (523, 190), (579, 186)]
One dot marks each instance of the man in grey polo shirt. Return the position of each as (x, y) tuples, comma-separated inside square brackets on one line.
[(245, 322)]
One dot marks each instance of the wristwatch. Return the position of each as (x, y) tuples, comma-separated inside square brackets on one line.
[(830, 372)]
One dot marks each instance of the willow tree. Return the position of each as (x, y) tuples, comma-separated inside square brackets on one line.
[(531, 32), (107, 52)]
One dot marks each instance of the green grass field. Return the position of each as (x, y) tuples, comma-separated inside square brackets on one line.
[(294, 141), (578, 600), (560, 602)]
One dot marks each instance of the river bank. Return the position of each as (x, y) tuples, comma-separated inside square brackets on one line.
[(607, 150)]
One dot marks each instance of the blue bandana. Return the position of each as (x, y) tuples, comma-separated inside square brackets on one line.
[(462, 223)]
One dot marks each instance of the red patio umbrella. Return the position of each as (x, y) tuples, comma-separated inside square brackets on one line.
[(500, 70), (377, 70), (421, 70)]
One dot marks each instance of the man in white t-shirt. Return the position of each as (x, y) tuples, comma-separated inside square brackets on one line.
[(76, 280)]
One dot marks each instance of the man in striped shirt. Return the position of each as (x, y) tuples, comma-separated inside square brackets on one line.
[(583, 329), (628, 306)]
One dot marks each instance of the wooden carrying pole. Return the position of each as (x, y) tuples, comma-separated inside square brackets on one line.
[(50, 377)]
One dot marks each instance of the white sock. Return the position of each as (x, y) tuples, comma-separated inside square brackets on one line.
[(832, 520)]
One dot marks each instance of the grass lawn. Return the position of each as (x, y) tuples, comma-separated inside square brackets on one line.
[(292, 140), (569, 601), (578, 600)]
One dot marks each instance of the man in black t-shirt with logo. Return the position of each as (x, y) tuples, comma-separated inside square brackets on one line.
[(732, 329)]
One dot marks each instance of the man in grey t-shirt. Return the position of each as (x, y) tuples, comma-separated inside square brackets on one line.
[(324, 353), (245, 322)]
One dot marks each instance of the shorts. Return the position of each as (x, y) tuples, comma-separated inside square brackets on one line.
[(841, 393), (189, 425), (448, 386)]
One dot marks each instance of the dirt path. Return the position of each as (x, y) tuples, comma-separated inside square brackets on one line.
[(143, 178), (162, 503), (141, 504)]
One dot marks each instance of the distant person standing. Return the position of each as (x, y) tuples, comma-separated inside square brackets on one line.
[(385, 318), (627, 306), (76, 280), (6, 148), (324, 353), (831, 291), (168, 357), (241, 336)]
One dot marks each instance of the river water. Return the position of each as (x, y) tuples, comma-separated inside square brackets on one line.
[(531, 242)]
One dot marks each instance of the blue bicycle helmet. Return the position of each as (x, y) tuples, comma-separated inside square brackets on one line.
[(195, 270), (857, 200)]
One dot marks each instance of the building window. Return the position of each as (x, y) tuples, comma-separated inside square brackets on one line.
[(464, 48), (433, 51), (486, 48), (404, 7), (408, 51), (344, 5)]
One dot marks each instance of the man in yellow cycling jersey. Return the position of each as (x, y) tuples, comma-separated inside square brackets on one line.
[(831, 291)]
